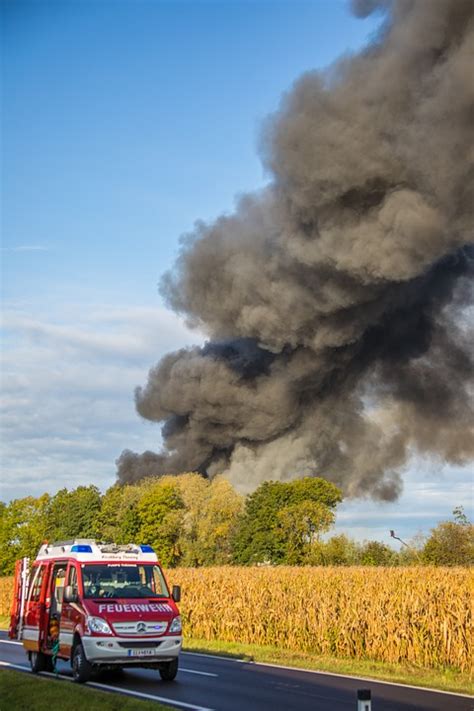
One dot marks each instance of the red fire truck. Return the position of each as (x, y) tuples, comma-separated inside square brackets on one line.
[(96, 605)]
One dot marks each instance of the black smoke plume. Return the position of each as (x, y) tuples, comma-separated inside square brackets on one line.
[(336, 300)]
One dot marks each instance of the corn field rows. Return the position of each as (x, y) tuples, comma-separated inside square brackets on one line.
[(422, 616), (6, 594), (416, 615)]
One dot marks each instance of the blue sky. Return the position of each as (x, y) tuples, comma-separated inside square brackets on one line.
[(124, 122)]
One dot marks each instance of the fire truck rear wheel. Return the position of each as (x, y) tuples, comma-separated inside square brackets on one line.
[(168, 670), (40, 662), (81, 669)]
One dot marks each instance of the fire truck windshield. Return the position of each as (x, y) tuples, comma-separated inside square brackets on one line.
[(123, 580)]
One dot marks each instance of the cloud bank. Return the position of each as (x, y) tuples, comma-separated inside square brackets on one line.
[(66, 376)]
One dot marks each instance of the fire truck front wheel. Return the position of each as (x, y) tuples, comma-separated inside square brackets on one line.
[(40, 662), (81, 669), (168, 670)]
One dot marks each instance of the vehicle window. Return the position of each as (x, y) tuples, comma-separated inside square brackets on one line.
[(59, 579), (123, 580), (35, 583), (72, 577)]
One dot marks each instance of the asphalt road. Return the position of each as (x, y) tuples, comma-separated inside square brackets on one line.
[(206, 683)]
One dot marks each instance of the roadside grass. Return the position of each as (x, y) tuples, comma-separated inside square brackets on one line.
[(25, 692), (4, 622), (444, 680)]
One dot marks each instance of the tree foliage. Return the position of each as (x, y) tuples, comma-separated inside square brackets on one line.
[(23, 528), (193, 521), (73, 513), (451, 542), (264, 533)]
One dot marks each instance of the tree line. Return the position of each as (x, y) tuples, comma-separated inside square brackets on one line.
[(192, 521)]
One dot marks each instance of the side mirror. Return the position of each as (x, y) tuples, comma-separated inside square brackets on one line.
[(70, 594), (176, 594)]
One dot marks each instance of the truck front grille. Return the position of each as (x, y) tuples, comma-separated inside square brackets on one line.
[(138, 645), (140, 628)]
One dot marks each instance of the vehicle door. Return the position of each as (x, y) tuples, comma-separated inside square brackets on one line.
[(56, 592), (71, 612), (35, 619)]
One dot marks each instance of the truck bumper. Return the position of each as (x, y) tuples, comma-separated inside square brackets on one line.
[(123, 650)]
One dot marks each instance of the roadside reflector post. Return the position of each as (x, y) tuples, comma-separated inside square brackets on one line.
[(364, 702)]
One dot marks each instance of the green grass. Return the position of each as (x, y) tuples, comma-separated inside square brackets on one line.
[(25, 692), (4, 622), (446, 680)]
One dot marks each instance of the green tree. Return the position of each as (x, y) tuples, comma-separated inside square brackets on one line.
[(376, 553), (301, 524), (337, 550), (159, 513), (73, 514), (117, 520), (451, 542), (23, 528), (260, 536)]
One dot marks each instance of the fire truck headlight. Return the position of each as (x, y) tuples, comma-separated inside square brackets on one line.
[(175, 626), (98, 625)]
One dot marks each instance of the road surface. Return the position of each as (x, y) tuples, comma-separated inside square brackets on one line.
[(209, 683)]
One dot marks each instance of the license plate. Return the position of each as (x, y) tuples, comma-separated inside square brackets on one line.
[(141, 652)]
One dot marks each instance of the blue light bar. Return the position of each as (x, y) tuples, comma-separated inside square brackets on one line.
[(146, 549), (81, 548)]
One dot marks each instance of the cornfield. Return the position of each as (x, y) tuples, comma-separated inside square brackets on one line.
[(6, 594), (412, 615)]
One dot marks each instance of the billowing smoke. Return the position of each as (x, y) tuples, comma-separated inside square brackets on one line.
[(337, 300)]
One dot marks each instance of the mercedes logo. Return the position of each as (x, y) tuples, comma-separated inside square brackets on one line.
[(141, 627)]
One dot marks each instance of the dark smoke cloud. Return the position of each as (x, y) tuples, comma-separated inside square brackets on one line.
[(335, 299)]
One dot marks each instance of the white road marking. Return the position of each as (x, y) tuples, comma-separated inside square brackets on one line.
[(141, 695), (221, 658), (14, 666), (9, 641), (194, 671)]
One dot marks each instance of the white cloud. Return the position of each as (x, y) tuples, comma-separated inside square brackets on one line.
[(26, 248), (430, 493), (68, 379), (128, 333)]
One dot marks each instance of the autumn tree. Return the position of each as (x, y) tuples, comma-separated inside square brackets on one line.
[(159, 519), (451, 542), (302, 524), (264, 535)]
